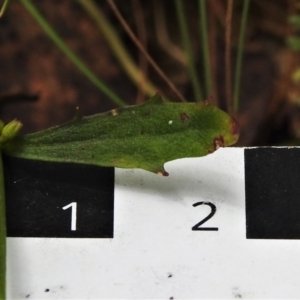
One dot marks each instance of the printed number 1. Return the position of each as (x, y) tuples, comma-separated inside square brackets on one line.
[(73, 206)]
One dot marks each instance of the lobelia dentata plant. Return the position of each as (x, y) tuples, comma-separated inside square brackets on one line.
[(142, 136)]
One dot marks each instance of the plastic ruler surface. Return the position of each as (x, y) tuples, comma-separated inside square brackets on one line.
[(223, 226)]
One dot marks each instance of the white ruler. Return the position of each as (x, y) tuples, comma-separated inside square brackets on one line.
[(155, 254)]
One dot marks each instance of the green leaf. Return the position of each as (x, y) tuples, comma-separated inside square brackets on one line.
[(144, 136)]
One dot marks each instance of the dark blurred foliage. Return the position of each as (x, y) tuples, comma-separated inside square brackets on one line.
[(41, 87)]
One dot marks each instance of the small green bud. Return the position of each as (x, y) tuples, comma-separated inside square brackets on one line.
[(10, 130)]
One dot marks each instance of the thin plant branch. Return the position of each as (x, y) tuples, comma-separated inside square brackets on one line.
[(69, 53), (117, 47), (219, 10), (162, 34), (228, 81), (213, 33), (205, 47), (2, 234), (239, 59), (188, 49), (143, 50), (142, 36), (3, 8)]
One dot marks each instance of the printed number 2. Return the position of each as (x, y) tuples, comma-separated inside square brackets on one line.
[(213, 211), (73, 206)]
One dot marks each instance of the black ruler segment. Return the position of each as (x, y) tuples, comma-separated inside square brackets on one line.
[(58, 200), (272, 181)]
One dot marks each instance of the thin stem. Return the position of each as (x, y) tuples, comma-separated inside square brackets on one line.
[(213, 34), (163, 36), (117, 47), (142, 35), (143, 50), (205, 47), (228, 81), (4, 7), (69, 53), (239, 59), (2, 234), (188, 49)]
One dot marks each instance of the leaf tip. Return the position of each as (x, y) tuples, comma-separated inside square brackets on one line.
[(162, 172)]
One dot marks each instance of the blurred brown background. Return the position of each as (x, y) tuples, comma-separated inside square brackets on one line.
[(31, 66)]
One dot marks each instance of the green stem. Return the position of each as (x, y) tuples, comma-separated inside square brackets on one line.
[(3, 8), (117, 46), (69, 53), (2, 234), (237, 78), (205, 46), (188, 49)]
